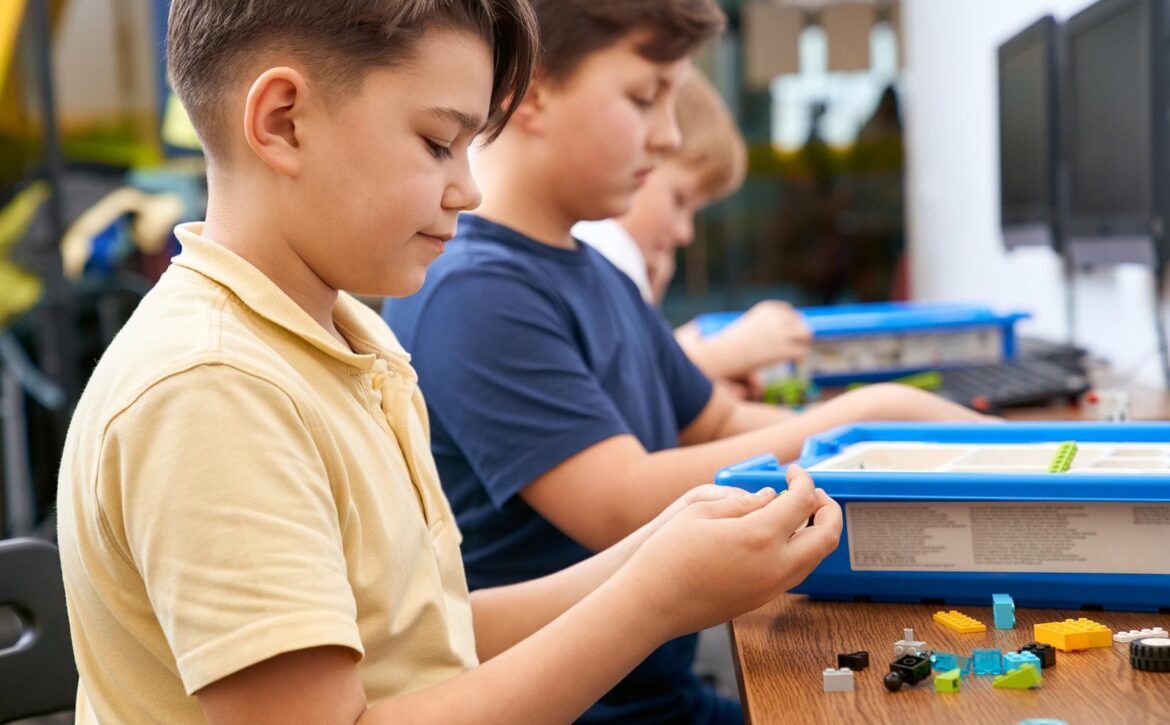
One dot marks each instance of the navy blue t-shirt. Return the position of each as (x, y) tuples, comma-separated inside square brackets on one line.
[(528, 354)]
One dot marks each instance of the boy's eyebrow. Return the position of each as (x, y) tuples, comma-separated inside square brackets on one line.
[(469, 122)]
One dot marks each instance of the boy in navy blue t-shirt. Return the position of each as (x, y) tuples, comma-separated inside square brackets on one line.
[(563, 413)]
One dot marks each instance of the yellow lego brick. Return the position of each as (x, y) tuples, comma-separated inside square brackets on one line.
[(1073, 634), (1099, 634), (961, 623)]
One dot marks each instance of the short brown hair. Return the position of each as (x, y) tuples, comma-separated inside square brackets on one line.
[(711, 142), (341, 39), (572, 29)]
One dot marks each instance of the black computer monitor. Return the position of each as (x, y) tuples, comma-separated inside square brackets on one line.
[(1029, 137), (1115, 121)]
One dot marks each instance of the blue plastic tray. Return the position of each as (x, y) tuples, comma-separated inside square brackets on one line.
[(885, 319), (836, 579)]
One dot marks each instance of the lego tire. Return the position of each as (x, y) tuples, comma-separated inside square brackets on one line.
[(1151, 654)]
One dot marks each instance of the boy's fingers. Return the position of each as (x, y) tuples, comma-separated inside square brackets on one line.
[(828, 513), (799, 483), (804, 552), (820, 539), (732, 506), (787, 513), (713, 492), (823, 498)]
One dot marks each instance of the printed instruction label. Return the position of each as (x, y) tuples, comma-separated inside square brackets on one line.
[(1058, 537)]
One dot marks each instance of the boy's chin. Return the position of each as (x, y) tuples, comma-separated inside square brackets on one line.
[(608, 207), (401, 287)]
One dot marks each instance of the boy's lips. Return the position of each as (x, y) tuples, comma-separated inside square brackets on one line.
[(440, 238)]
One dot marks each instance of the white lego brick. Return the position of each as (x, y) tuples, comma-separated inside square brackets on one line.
[(908, 645), (838, 680), (1133, 634)]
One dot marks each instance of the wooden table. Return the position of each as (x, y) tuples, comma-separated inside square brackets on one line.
[(1145, 404), (781, 650)]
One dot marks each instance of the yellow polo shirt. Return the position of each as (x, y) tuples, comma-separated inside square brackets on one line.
[(237, 484)]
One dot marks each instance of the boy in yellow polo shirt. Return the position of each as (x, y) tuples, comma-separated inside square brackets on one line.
[(251, 526)]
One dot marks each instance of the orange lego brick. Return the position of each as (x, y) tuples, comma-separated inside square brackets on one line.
[(1073, 634), (960, 622)]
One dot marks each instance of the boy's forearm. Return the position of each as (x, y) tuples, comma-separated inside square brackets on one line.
[(552, 676), (506, 615), (748, 416), (711, 358), (654, 480)]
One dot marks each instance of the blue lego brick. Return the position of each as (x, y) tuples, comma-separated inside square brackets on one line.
[(988, 661), (1003, 609), (1012, 660), (965, 663), (945, 661)]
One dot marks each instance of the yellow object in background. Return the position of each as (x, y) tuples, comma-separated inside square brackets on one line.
[(959, 622), (11, 15), (19, 288), (177, 129), (16, 216), (19, 291)]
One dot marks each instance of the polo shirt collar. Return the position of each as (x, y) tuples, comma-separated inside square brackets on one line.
[(263, 297)]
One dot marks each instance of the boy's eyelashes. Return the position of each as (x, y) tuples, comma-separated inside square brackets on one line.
[(438, 150), (643, 102)]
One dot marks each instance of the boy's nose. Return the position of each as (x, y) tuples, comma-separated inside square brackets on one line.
[(475, 196), (463, 194), (665, 136), (684, 231)]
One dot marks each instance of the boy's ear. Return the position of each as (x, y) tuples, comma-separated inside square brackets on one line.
[(529, 115), (273, 111)]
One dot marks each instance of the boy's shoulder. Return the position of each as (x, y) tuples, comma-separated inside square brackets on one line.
[(186, 323)]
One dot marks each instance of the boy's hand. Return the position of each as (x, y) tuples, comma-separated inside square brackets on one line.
[(717, 559), (768, 333), (698, 494)]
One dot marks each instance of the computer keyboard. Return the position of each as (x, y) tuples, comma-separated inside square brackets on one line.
[(1061, 353), (1012, 383)]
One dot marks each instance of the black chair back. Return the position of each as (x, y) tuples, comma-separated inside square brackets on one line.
[(37, 671)]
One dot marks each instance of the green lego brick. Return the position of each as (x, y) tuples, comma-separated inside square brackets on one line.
[(1025, 677), (1063, 459), (789, 391), (929, 381), (947, 681)]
